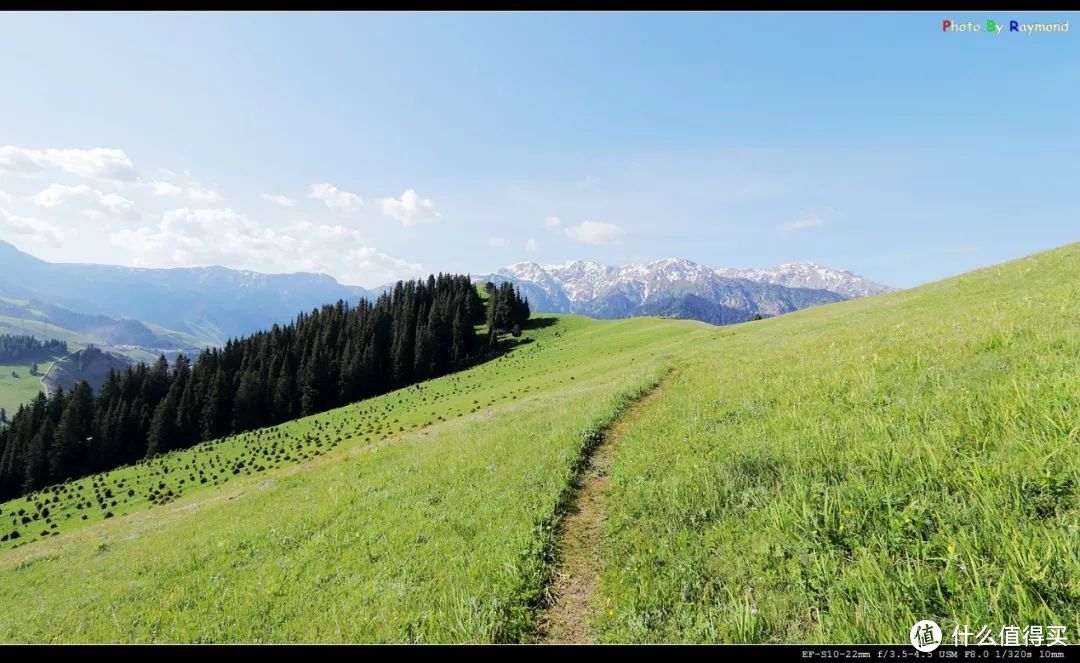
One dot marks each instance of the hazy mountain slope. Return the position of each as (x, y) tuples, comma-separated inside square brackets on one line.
[(50, 321), (212, 303), (130, 339)]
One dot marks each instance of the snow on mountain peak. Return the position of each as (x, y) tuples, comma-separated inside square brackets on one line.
[(580, 284), (810, 275)]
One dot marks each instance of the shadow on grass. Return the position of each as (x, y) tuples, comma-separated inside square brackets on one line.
[(541, 323)]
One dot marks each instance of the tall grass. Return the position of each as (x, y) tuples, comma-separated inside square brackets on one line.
[(839, 474)]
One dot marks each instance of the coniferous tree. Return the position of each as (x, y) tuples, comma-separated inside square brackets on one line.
[(163, 433), (67, 452), (216, 408), (20, 347), (37, 460)]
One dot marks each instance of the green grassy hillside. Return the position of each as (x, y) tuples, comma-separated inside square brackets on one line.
[(838, 474), (18, 386), (830, 475), (425, 514)]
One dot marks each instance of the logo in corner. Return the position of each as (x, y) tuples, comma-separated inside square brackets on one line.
[(926, 635)]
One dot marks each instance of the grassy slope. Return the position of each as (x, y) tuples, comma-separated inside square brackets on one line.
[(437, 533), (838, 474), (828, 475), (16, 391)]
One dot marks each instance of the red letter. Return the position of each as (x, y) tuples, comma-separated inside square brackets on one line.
[(945, 25)]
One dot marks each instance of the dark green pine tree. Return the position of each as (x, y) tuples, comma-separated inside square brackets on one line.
[(424, 353), (187, 410), (163, 435), (248, 404), (461, 335), (312, 374), (284, 393), (37, 458), (216, 409), (76, 426)]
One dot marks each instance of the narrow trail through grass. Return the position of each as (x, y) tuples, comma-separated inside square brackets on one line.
[(574, 586)]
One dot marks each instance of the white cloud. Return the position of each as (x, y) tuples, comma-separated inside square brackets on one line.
[(335, 198), (410, 209), (278, 199), (36, 230), (498, 242), (187, 237), (333, 233), (89, 200), (382, 267), (530, 245), (196, 193), (17, 160), (96, 163), (801, 224), (595, 232), (553, 222), (214, 236), (4, 196)]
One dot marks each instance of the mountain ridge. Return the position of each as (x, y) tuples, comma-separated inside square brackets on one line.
[(211, 303), (679, 287)]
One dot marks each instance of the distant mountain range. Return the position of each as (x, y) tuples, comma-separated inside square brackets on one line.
[(681, 288), (160, 309), (211, 304)]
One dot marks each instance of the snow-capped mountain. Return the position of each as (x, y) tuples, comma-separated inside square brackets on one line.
[(680, 288), (810, 275)]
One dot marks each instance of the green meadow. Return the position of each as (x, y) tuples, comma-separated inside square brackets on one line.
[(839, 474), (18, 386), (832, 475)]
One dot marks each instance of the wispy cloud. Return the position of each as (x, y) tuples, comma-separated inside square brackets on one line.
[(96, 163), (334, 198), (802, 224), (36, 230), (595, 232), (278, 199), (334, 233), (409, 209), (194, 192), (374, 264), (89, 200)]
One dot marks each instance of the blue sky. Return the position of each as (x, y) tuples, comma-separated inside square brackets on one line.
[(398, 144)]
